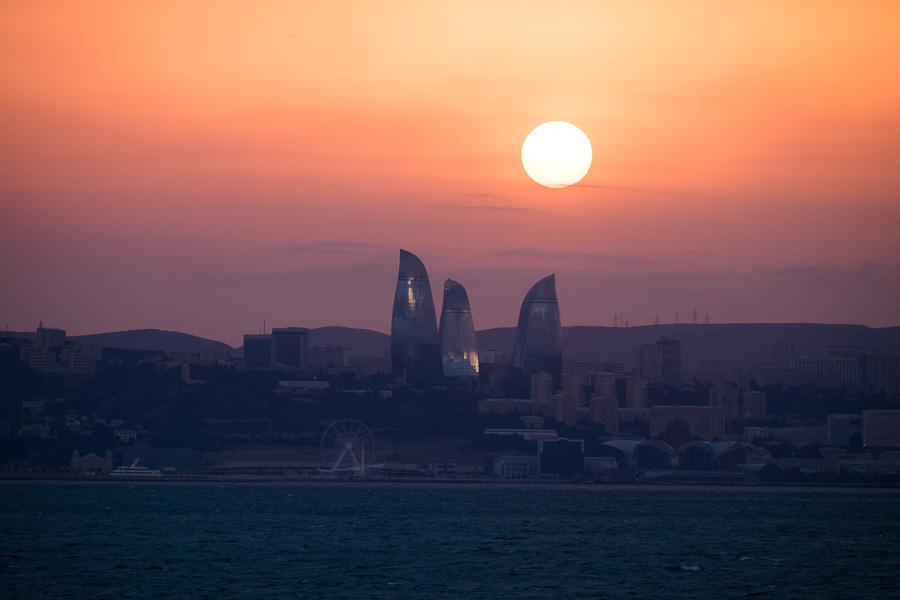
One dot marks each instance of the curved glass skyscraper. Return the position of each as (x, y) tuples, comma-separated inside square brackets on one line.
[(539, 333), (459, 349), (415, 346)]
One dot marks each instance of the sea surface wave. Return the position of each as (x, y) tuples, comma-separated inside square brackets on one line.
[(359, 540)]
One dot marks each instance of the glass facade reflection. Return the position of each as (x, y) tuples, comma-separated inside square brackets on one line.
[(415, 346), (459, 350), (538, 344)]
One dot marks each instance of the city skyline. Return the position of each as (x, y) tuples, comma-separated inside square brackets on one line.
[(206, 168)]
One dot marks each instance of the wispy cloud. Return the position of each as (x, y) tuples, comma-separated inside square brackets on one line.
[(568, 257), (485, 195), (868, 270), (333, 247), (521, 209), (494, 203)]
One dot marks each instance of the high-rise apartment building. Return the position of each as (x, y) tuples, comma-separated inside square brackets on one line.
[(291, 346), (538, 345), (726, 397), (670, 351), (258, 351), (660, 362), (49, 336), (541, 387), (459, 350), (573, 385), (636, 394), (783, 355), (415, 344), (284, 348), (605, 411)]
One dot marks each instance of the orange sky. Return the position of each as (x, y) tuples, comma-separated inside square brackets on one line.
[(205, 166)]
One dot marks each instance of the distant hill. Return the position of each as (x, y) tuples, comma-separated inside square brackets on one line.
[(152, 339), (744, 343)]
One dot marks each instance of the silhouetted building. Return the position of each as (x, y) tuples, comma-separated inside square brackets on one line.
[(516, 467), (50, 351), (636, 394), (415, 345), (364, 366), (605, 411), (727, 398), (326, 357), (258, 351), (284, 348), (573, 385), (538, 345), (840, 427), (847, 368), (660, 362), (783, 355), (49, 336), (291, 346), (884, 374), (541, 387), (707, 422), (459, 350), (881, 428), (91, 463)]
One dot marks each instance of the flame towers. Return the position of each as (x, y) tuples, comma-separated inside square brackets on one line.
[(459, 350), (415, 346), (538, 344)]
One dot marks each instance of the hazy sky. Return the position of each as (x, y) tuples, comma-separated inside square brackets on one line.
[(206, 166)]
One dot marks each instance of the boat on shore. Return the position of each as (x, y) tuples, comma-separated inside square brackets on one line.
[(135, 471)]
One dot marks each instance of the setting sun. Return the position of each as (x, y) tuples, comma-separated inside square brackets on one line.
[(556, 154)]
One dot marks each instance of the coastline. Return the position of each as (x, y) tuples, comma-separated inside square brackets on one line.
[(452, 482)]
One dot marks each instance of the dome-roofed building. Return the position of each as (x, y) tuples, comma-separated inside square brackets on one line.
[(459, 350), (717, 456), (637, 454)]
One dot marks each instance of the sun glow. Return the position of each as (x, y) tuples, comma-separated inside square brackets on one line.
[(556, 154)]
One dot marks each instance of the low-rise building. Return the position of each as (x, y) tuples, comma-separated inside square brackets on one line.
[(516, 467), (91, 463)]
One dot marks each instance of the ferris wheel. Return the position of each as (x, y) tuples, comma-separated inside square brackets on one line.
[(347, 446)]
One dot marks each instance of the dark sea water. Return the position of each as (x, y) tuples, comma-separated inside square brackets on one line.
[(158, 540)]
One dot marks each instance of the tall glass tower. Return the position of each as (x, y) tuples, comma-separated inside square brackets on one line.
[(415, 346), (539, 333), (459, 349)]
